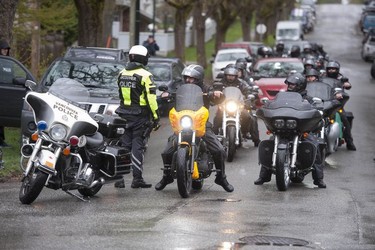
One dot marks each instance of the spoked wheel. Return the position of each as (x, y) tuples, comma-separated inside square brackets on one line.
[(32, 185), (184, 181), (282, 170), (231, 143)]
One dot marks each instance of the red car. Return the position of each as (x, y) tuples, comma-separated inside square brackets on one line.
[(270, 73)]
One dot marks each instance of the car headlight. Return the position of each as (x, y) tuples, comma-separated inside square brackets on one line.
[(186, 122), (111, 109), (231, 106), (58, 132)]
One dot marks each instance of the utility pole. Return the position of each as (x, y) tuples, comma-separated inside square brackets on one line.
[(134, 23)]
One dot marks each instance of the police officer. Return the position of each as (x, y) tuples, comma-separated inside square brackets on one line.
[(139, 107), (297, 83), (194, 74)]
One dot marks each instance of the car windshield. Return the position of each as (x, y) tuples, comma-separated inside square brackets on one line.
[(224, 57), (90, 74), (277, 69), (287, 32), (161, 72)]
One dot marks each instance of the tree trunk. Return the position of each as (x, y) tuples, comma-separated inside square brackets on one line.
[(90, 27), (200, 29), (7, 12), (179, 34), (246, 27)]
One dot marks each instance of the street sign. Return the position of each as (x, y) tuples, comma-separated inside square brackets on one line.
[(261, 28)]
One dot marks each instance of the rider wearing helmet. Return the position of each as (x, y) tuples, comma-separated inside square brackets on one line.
[(297, 83), (280, 49), (295, 51), (312, 75), (337, 80), (249, 124), (241, 65), (139, 107), (194, 74), (264, 52)]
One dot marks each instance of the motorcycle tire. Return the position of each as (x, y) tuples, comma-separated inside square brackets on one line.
[(231, 143), (184, 180), (282, 169), (32, 185), (90, 191), (197, 184)]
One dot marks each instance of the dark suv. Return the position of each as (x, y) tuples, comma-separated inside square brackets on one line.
[(13, 76), (95, 68)]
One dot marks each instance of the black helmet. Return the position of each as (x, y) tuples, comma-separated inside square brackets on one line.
[(195, 71), (242, 59), (298, 80), (4, 45), (241, 65), (280, 46), (295, 51), (139, 53), (264, 51), (309, 62), (307, 48), (312, 72), (333, 65)]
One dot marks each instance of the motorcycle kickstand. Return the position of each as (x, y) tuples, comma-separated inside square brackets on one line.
[(77, 196)]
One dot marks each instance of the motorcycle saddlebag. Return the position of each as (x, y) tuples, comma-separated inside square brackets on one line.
[(109, 125), (265, 152), (306, 154), (116, 160)]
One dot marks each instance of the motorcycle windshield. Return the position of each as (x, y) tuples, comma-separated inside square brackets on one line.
[(291, 100), (60, 106), (320, 90), (233, 93), (189, 97)]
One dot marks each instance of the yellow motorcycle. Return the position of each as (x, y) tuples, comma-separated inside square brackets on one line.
[(192, 162)]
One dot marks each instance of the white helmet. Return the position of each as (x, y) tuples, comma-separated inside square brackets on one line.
[(139, 53)]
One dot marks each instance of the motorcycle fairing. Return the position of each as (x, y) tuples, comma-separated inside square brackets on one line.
[(52, 109)]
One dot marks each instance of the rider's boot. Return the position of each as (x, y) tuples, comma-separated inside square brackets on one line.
[(167, 179)]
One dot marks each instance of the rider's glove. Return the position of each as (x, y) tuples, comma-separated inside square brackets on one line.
[(156, 124)]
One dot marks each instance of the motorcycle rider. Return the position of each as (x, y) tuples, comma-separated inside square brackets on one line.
[(295, 51), (194, 74), (297, 83), (339, 81), (249, 123), (138, 106), (280, 49), (312, 75), (241, 65)]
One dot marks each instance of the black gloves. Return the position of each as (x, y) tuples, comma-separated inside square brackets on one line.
[(156, 124)]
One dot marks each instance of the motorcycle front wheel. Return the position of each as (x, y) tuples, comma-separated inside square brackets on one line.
[(32, 185), (184, 180), (231, 143), (282, 170)]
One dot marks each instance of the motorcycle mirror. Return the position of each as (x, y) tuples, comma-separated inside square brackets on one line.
[(264, 100), (30, 84)]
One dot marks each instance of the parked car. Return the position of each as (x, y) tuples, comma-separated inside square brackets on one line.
[(13, 75), (166, 71), (227, 56), (270, 73), (96, 68), (368, 48)]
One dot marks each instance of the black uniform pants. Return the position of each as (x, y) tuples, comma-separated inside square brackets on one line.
[(133, 140), (213, 145), (347, 133)]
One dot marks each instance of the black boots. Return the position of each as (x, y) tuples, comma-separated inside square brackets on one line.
[(222, 181), (140, 183), (164, 182), (350, 146), (320, 183), (260, 181)]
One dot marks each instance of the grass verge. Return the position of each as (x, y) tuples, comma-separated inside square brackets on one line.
[(11, 156)]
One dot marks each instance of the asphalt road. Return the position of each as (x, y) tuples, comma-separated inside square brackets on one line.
[(304, 217)]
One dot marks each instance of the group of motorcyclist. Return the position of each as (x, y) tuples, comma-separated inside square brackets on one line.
[(138, 106)]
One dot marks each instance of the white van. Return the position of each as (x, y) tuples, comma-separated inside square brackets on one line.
[(289, 30)]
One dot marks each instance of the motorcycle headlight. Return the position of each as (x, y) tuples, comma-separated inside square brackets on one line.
[(231, 106), (279, 123), (291, 124), (58, 132), (186, 122)]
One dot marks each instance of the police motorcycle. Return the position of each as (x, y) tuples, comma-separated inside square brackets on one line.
[(330, 133), (230, 131), (192, 162), (288, 118), (67, 152)]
